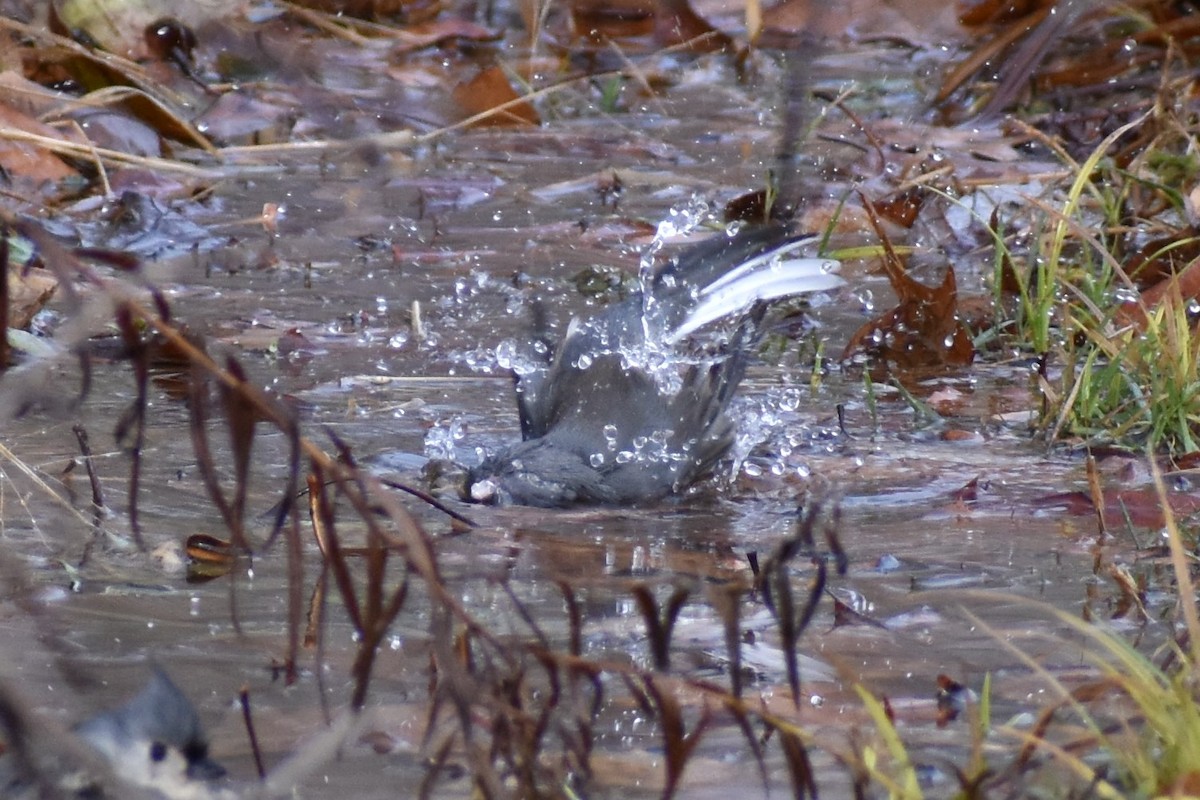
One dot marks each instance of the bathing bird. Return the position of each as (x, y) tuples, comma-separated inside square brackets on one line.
[(633, 403)]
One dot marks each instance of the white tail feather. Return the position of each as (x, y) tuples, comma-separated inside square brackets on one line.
[(761, 279)]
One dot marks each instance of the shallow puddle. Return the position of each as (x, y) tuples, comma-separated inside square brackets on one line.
[(324, 315)]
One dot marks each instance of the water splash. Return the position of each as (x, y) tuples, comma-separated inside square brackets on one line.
[(441, 442), (680, 221)]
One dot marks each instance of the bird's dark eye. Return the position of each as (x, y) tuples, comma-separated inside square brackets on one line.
[(195, 751), (158, 751)]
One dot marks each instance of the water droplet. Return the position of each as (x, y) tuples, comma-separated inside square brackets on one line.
[(506, 354), (610, 436)]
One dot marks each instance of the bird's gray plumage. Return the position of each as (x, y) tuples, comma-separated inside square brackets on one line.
[(610, 415), (151, 748)]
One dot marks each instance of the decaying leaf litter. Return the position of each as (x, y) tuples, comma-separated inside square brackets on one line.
[(299, 191)]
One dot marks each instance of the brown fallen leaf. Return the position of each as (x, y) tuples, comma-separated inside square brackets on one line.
[(29, 97), (669, 23), (1141, 505), (902, 209), (973, 13), (844, 614), (26, 162), (968, 492), (924, 329), (1163, 257), (436, 32), (918, 22), (1180, 288), (28, 291), (491, 91), (676, 23), (600, 20)]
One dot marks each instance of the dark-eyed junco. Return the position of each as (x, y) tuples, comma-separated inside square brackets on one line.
[(631, 405)]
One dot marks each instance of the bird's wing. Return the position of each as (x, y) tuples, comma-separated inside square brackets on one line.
[(766, 277)]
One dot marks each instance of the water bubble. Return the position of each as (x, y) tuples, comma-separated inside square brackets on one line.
[(506, 354), (610, 436), (596, 460)]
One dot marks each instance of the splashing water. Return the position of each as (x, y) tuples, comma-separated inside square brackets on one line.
[(514, 356), (442, 439), (679, 222)]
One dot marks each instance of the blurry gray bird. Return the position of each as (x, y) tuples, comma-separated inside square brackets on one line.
[(608, 416), (152, 747)]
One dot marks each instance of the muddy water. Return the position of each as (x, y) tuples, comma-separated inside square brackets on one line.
[(323, 313)]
